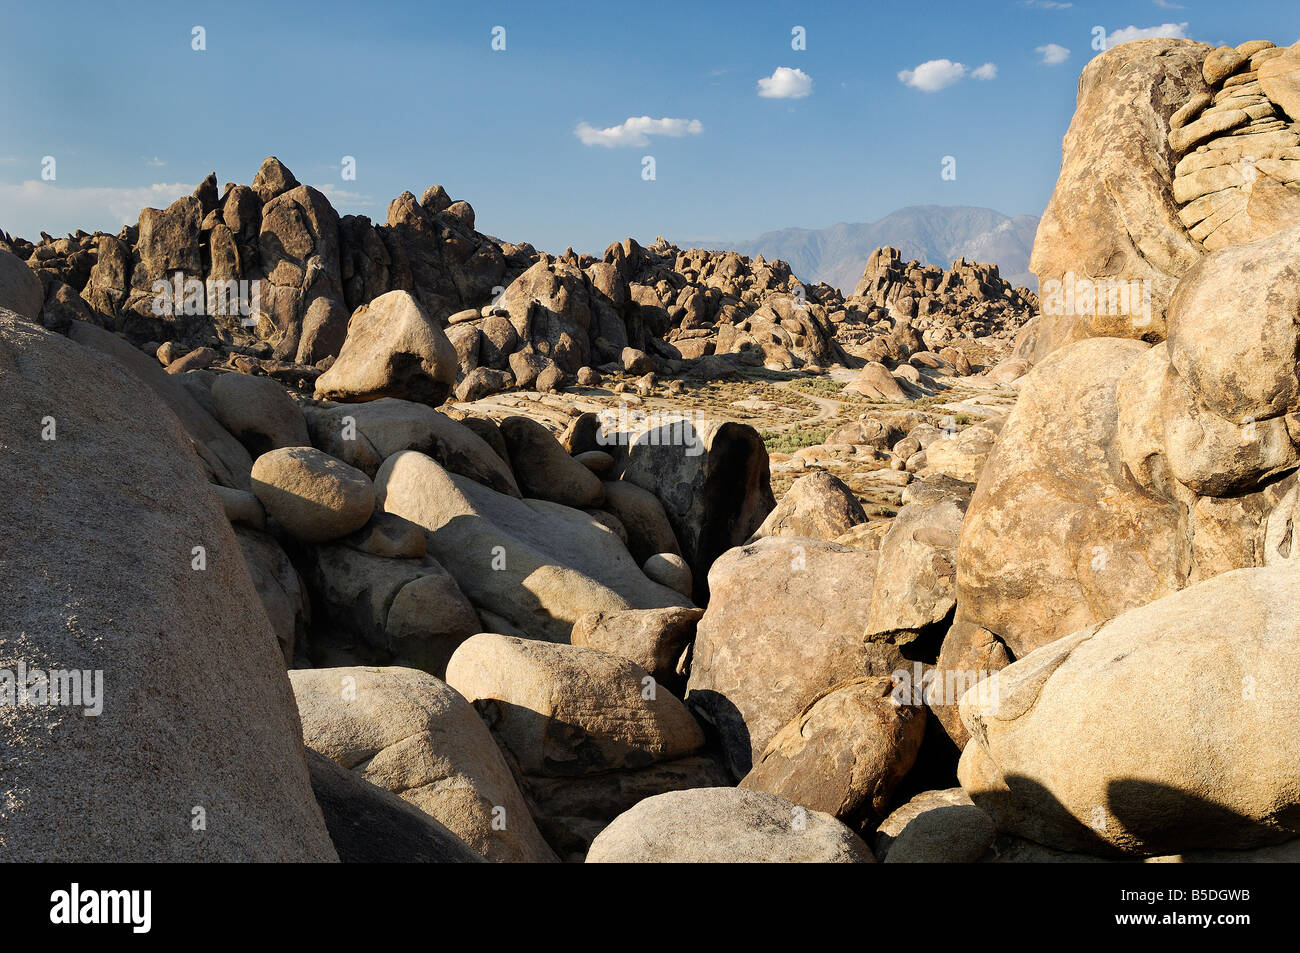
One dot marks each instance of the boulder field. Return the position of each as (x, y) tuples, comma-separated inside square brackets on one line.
[(360, 579)]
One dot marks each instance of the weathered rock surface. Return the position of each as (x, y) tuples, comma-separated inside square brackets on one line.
[(107, 582), (725, 825), (713, 480), (313, 496), (652, 638), (393, 349), (916, 576), (538, 564), (817, 506), (365, 435), (1058, 535), (413, 735), (1112, 216), (1078, 753), (569, 710), (368, 825), (544, 470), (935, 827), (844, 753), (784, 623)]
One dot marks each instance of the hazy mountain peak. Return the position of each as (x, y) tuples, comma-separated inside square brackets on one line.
[(934, 234)]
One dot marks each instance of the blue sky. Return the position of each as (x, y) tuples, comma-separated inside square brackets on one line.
[(134, 116)]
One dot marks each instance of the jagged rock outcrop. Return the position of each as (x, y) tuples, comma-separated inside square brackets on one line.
[(1112, 221)]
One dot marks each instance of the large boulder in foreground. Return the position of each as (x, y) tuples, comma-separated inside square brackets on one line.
[(712, 478), (1058, 535), (393, 349), (1175, 726), (1112, 217), (537, 564), (568, 710), (726, 825), (786, 622), (412, 734), (197, 723)]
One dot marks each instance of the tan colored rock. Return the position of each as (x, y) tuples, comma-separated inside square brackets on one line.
[(969, 655), (1279, 78), (935, 827), (1221, 63), (368, 825), (845, 753), (916, 576), (648, 529), (1213, 122), (409, 610), (669, 569), (191, 707), (963, 455), (537, 564), (1118, 169), (713, 480), (784, 623), (876, 383), (313, 496), (568, 710), (258, 412), (393, 349), (1058, 535), (1233, 340), (220, 453), (1077, 751), (725, 825), (652, 638), (365, 435), (817, 506), (542, 468), (413, 735)]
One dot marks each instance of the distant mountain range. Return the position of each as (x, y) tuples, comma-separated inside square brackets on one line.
[(934, 234)]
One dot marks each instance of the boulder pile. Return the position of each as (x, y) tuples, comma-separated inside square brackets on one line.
[(1075, 637)]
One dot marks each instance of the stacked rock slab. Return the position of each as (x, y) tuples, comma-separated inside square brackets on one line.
[(1238, 146)]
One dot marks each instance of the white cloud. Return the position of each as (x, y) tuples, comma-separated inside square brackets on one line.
[(933, 75), (785, 83), (1053, 53), (636, 130), (1170, 31), (155, 162), (1046, 4), (1169, 5), (34, 206), (340, 196)]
